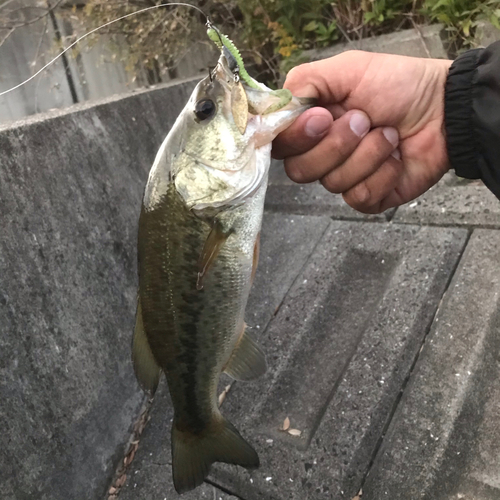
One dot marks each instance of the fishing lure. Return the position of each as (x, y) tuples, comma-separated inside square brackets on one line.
[(223, 42)]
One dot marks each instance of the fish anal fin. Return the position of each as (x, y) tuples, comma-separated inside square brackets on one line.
[(146, 368), (193, 454), (211, 249), (247, 362)]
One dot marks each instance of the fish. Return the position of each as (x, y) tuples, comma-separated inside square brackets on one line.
[(198, 247)]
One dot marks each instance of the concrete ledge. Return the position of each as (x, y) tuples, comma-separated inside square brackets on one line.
[(422, 42), (453, 201), (70, 193), (486, 34)]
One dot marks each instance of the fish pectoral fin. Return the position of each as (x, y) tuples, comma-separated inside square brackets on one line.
[(193, 454), (211, 249), (247, 362), (146, 368)]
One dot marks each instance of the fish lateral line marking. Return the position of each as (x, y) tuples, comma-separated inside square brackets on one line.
[(78, 40)]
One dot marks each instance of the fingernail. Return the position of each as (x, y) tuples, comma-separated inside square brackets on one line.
[(391, 134), (396, 154), (317, 125), (360, 124)]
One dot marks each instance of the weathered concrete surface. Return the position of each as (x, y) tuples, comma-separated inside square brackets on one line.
[(342, 310), (453, 201), (422, 42), (486, 34), (339, 348), (286, 244), (70, 191), (286, 196), (444, 441)]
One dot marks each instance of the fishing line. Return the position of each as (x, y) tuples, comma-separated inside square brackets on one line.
[(97, 29)]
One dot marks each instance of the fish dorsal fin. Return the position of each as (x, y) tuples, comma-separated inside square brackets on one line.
[(247, 362), (239, 107), (146, 368), (211, 249)]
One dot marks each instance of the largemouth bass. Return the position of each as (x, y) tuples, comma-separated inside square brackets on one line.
[(198, 250)]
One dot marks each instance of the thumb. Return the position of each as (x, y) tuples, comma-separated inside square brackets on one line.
[(329, 80)]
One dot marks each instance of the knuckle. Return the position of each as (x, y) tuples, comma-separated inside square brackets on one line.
[(352, 55), (298, 72), (340, 146), (333, 182), (294, 171), (358, 197)]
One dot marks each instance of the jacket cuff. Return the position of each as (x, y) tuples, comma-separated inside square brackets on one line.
[(458, 112)]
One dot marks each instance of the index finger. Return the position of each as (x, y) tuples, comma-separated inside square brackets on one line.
[(329, 80), (307, 130)]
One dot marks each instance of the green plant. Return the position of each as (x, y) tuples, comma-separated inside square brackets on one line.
[(273, 35), (461, 17)]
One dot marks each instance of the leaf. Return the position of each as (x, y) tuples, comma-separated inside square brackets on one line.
[(223, 394), (310, 26), (121, 481), (294, 432), (369, 16), (321, 29), (286, 424)]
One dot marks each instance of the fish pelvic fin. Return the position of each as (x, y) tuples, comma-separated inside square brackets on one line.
[(146, 368), (247, 362), (193, 454)]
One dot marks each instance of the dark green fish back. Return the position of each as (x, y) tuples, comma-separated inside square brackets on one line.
[(191, 332)]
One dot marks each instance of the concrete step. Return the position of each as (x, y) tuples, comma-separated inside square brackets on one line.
[(286, 245), (350, 323), (443, 441), (285, 196)]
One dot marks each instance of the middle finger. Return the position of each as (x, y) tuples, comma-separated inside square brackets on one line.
[(342, 139)]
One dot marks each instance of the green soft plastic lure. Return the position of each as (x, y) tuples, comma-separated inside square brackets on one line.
[(222, 41)]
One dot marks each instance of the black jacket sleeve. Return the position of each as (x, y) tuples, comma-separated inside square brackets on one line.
[(472, 116)]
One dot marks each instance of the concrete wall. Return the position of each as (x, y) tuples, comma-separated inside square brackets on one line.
[(70, 193)]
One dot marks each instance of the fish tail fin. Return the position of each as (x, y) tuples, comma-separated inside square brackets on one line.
[(193, 454)]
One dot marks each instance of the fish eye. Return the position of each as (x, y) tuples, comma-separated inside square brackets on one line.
[(205, 109)]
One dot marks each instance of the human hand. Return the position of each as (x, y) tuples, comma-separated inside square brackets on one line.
[(379, 136)]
